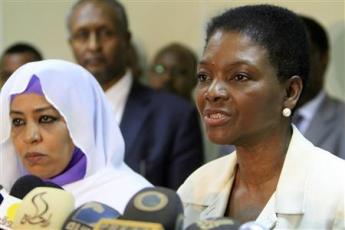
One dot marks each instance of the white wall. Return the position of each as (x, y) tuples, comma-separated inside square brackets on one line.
[(155, 23), (1, 28)]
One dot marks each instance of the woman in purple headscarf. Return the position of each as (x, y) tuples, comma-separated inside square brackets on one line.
[(57, 124)]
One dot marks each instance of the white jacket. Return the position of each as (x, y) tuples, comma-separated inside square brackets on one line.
[(309, 195)]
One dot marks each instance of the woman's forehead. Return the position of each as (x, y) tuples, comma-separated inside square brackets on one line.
[(234, 45), (31, 101)]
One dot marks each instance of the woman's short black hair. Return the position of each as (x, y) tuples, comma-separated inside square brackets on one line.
[(280, 31)]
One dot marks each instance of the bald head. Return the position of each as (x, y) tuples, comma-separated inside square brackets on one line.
[(113, 5)]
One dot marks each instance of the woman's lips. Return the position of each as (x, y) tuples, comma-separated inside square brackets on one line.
[(34, 157), (216, 117)]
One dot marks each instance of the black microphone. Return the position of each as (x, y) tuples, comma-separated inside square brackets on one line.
[(87, 215), (1, 198), (52, 185), (27, 183), (155, 205)]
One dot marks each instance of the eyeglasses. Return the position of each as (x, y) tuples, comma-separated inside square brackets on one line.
[(160, 69)]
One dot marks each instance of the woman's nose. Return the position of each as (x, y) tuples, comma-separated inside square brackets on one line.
[(32, 134), (217, 91)]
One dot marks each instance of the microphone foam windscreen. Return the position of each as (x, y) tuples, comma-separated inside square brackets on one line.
[(25, 184), (109, 224), (86, 216), (52, 185), (252, 225), (222, 223), (44, 208), (1, 198), (156, 205), (8, 209)]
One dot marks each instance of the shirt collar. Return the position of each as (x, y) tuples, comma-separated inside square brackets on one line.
[(310, 108), (118, 93)]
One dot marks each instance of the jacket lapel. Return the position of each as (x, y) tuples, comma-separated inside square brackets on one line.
[(268, 216), (217, 204), (288, 199), (135, 113), (286, 206), (215, 198), (321, 122)]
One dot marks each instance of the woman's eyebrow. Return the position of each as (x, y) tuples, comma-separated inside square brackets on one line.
[(14, 112), (37, 110), (42, 109)]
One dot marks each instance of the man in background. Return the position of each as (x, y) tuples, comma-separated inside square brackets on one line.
[(14, 56), (320, 117), (161, 131)]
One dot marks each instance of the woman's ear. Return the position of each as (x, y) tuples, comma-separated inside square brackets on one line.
[(293, 91)]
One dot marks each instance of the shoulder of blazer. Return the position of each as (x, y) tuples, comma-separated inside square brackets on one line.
[(159, 98)]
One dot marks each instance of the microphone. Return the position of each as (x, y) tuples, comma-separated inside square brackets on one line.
[(27, 183), (1, 197), (251, 225), (108, 224), (44, 208), (52, 185), (224, 223), (155, 205), (220, 223), (8, 207), (87, 215)]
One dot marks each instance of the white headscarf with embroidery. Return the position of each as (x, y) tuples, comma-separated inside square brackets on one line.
[(76, 94)]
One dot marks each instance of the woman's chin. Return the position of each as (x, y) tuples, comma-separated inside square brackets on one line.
[(219, 138), (40, 174)]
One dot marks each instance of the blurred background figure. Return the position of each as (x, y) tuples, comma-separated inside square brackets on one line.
[(320, 117), (15, 56), (161, 130), (173, 69)]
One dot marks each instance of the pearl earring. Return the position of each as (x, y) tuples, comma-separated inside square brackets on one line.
[(286, 112)]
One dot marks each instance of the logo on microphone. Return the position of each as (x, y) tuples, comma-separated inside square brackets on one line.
[(150, 201), (41, 215), (215, 223)]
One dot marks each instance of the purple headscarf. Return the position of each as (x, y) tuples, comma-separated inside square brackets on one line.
[(76, 168)]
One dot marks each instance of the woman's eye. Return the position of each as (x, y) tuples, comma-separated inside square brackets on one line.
[(202, 77), (47, 119), (240, 77), (17, 122)]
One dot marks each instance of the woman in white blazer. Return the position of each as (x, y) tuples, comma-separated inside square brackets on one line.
[(251, 76)]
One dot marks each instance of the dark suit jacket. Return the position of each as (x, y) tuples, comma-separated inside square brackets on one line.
[(162, 136), (327, 128)]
